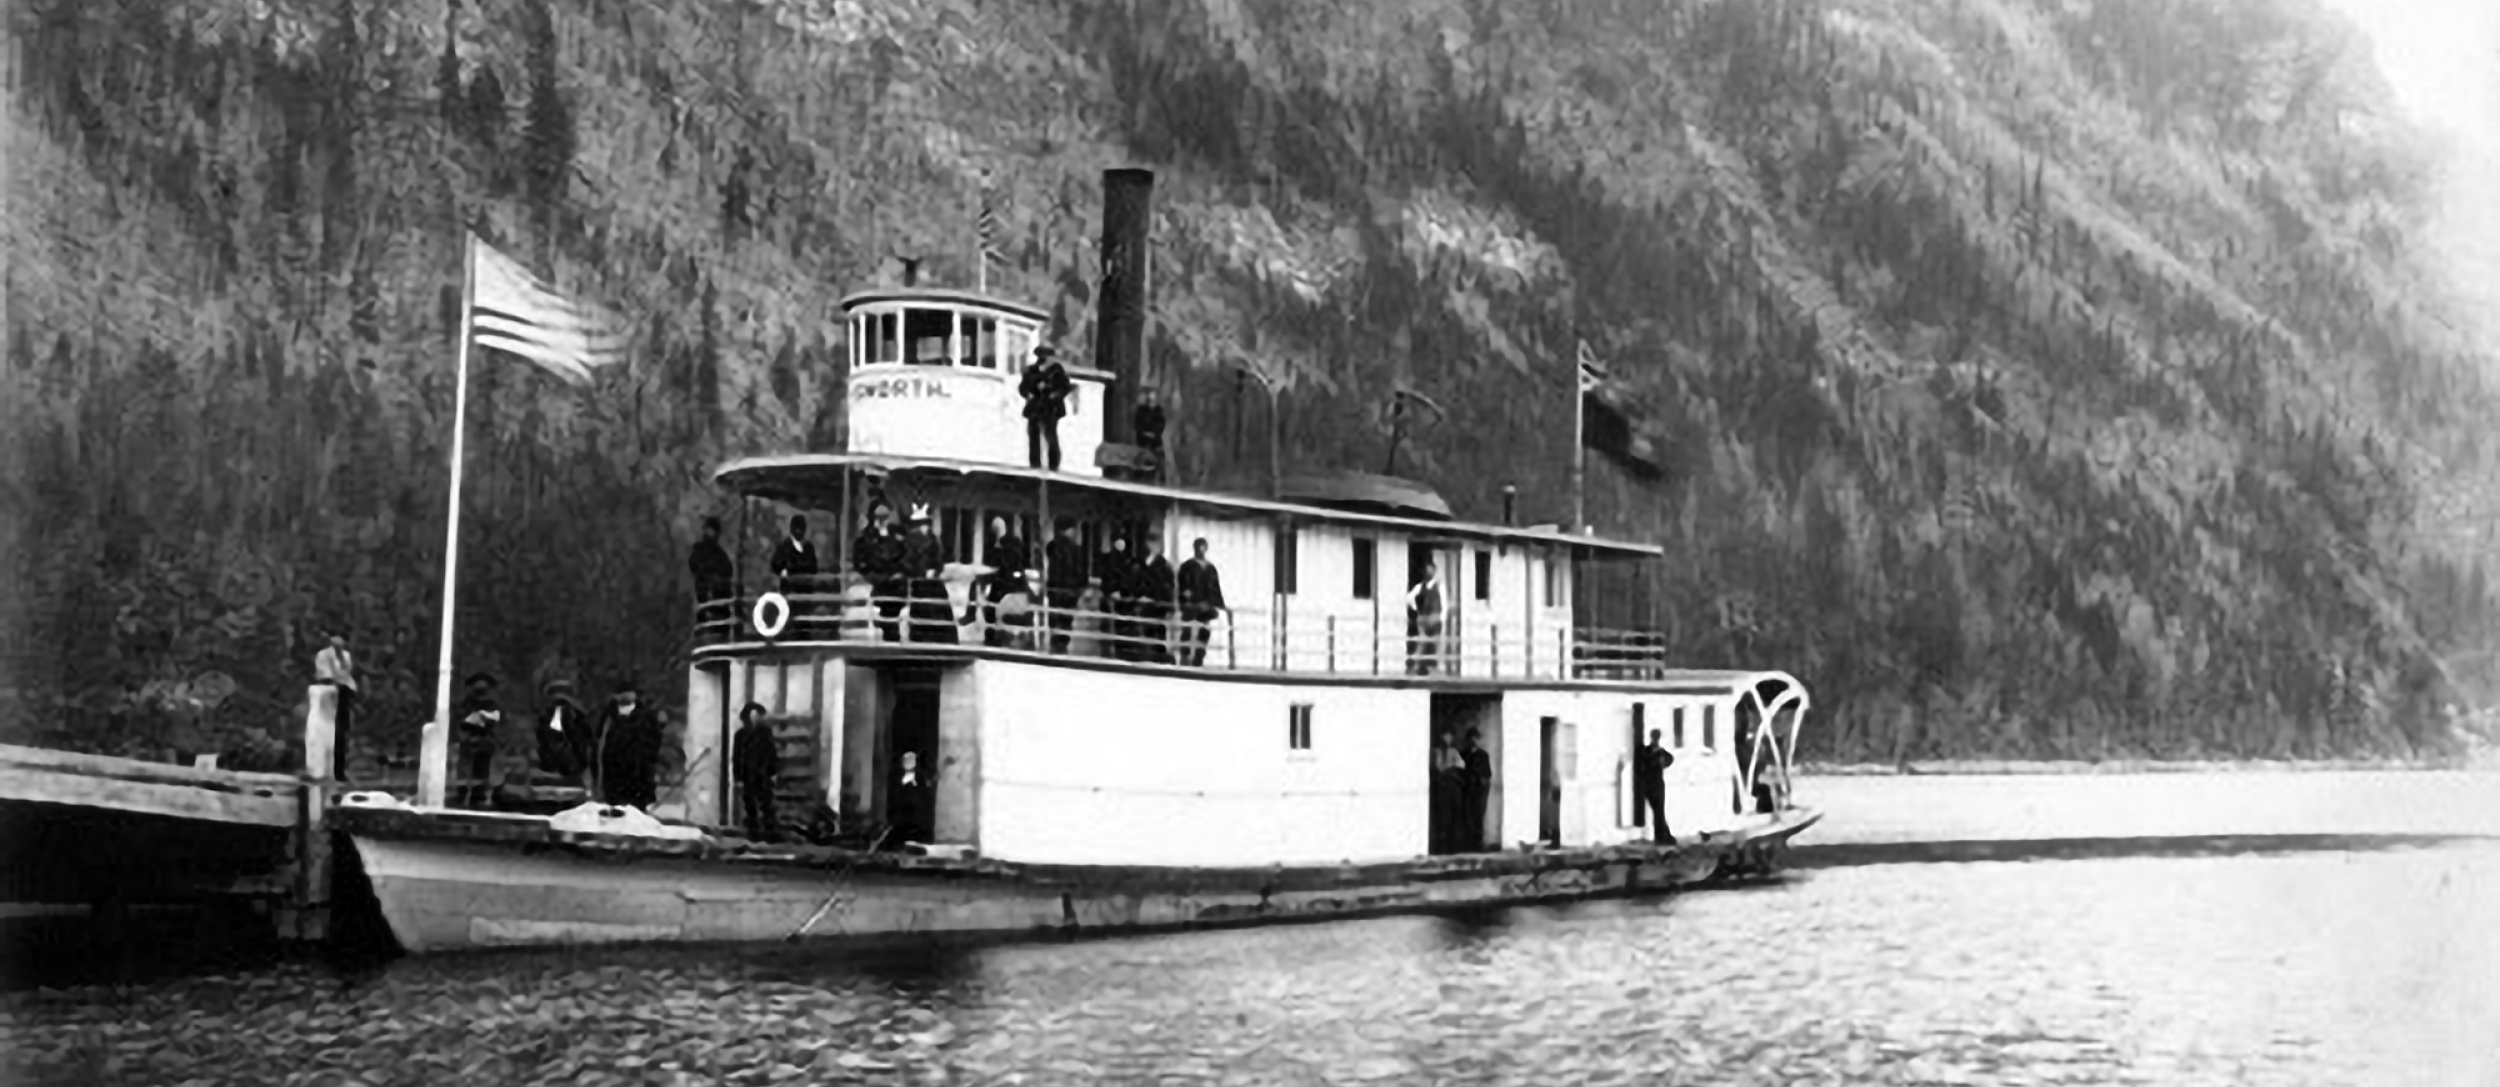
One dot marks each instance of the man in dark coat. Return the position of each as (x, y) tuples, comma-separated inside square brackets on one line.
[(1153, 587), (477, 721), (1649, 787), (1007, 560), (562, 729), (1148, 422), (1065, 581), (924, 563), (629, 751), (794, 563), (1118, 571), (1475, 787), (1045, 387), (1447, 771), (755, 763), (1202, 599), (908, 806), (877, 555), (713, 574)]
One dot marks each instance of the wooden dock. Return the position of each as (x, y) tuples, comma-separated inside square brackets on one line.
[(108, 833)]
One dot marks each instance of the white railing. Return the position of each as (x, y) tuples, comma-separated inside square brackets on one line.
[(842, 609)]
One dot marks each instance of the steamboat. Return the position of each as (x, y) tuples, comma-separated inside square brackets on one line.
[(1005, 750)]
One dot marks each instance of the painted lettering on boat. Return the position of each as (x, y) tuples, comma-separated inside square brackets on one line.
[(909, 387)]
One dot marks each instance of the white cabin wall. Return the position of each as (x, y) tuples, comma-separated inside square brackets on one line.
[(1081, 766)]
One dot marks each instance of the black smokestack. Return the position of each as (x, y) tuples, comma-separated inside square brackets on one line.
[(1120, 307)]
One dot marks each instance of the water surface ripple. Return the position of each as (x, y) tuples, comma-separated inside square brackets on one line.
[(2367, 962)]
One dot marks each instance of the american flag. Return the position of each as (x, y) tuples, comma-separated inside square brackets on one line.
[(511, 309)]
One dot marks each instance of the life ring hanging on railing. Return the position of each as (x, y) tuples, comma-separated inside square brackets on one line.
[(777, 607)]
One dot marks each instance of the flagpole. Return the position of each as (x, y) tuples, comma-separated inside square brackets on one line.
[(1579, 447), (434, 765)]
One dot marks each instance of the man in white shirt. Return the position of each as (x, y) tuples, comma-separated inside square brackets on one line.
[(334, 667)]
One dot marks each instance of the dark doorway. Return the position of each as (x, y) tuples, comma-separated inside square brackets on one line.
[(910, 808), (1463, 812), (1549, 781)]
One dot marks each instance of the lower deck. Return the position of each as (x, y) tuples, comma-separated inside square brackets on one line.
[(1033, 760)]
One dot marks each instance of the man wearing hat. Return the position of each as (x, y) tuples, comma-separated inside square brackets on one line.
[(477, 720), (628, 750), (1045, 388), (755, 764), (924, 562), (561, 730)]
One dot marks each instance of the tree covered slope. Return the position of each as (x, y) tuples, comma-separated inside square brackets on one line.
[(2033, 378)]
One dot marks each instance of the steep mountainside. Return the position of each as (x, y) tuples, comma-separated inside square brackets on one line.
[(2047, 377)]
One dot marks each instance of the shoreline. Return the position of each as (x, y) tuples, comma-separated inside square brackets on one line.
[(2078, 767)]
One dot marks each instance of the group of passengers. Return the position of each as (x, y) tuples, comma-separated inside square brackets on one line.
[(1141, 594)]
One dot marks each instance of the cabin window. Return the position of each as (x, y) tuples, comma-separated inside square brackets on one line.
[(1366, 563), (1679, 726), (1484, 575), (985, 343), (1288, 560), (1553, 580), (1298, 727), (885, 338), (1709, 726), (956, 530), (928, 336)]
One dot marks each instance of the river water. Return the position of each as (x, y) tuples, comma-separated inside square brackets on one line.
[(2343, 956)]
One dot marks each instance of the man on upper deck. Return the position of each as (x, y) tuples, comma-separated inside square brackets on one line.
[(924, 564), (1007, 561), (1148, 422), (877, 556), (1153, 588), (713, 573), (1045, 388)]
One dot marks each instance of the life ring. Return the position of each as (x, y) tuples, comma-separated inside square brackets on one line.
[(777, 607)]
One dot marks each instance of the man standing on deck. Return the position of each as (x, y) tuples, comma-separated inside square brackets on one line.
[(1448, 770), (1649, 787), (907, 810), (1154, 587), (713, 573), (1045, 388), (755, 761), (1202, 599), (877, 556), (1118, 570), (628, 751), (1148, 422), (480, 717), (335, 668), (561, 729), (1066, 581), (924, 562), (1475, 786), (1423, 607), (1007, 560)]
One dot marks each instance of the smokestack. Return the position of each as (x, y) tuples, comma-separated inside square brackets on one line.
[(1120, 306), (911, 271)]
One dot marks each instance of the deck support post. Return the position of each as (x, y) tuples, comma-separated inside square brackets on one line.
[(307, 916)]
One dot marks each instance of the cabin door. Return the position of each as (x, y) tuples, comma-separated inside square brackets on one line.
[(908, 784), (1549, 780)]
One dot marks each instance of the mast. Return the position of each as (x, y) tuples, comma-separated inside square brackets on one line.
[(434, 752)]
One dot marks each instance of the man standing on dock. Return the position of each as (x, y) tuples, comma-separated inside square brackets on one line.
[(1045, 387), (335, 668), (1649, 787)]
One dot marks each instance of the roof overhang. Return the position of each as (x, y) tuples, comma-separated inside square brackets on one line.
[(814, 480)]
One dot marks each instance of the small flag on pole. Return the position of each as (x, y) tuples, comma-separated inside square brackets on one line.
[(1592, 372), (512, 310), (987, 227)]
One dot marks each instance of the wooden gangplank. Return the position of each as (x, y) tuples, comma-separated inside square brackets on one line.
[(33, 775)]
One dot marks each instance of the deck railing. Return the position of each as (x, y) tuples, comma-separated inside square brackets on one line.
[(835, 609)]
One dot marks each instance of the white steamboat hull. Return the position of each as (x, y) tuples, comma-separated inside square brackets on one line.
[(454, 892)]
